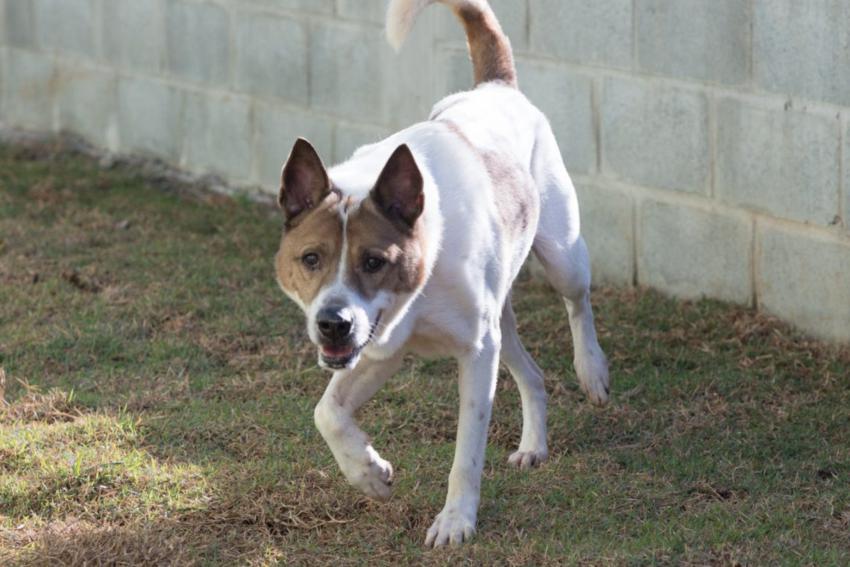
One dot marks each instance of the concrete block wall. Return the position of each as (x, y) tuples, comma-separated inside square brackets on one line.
[(709, 139)]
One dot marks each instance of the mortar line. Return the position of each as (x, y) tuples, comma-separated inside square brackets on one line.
[(636, 234), (712, 144), (842, 184), (254, 166), (754, 264), (596, 118), (99, 49), (162, 25), (309, 81), (751, 72), (701, 202), (231, 48), (635, 54), (202, 89)]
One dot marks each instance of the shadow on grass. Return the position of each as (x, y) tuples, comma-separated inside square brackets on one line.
[(189, 436)]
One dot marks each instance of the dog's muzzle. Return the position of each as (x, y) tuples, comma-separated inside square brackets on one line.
[(335, 326), (337, 347)]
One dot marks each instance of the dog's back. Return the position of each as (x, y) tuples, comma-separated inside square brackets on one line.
[(511, 134)]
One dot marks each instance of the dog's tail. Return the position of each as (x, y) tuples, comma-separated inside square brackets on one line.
[(489, 47)]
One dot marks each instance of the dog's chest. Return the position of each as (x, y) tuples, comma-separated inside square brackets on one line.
[(430, 341)]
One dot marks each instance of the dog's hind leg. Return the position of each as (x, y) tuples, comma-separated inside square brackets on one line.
[(561, 249), (347, 391), (532, 449)]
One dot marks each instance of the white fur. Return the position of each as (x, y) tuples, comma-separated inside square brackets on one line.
[(401, 14), (463, 309)]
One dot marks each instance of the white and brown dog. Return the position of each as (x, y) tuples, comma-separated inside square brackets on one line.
[(412, 245)]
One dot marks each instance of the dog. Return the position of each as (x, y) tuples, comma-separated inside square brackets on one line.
[(412, 245)]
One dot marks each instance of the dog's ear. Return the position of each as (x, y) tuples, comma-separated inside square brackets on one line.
[(398, 191), (303, 182)]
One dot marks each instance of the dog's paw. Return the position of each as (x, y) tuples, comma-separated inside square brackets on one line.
[(528, 459), (592, 371), (453, 526), (374, 477)]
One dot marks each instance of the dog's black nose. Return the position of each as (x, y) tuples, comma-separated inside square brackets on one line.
[(334, 324)]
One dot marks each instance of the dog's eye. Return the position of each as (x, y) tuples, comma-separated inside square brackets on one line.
[(373, 263), (311, 260)]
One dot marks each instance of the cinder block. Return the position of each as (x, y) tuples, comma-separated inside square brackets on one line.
[(366, 10), (805, 279), (512, 15), (407, 77), (198, 41), (149, 117), (694, 39), (565, 98), (19, 23), (607, 225), (85, 100), (217, 135), (345, 71), (784, 162), (277, 130), (654, 135), (305, 6), (349, 137), (134, 33), (801, 48), (68, 26), (271, 56), (313, 7), (691, 253), (30, 89), (598, 32), (455, 72)]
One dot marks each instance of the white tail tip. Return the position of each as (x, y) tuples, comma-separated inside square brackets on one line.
[(401, 15)]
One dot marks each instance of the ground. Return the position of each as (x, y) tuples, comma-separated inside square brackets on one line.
[(159, 392)]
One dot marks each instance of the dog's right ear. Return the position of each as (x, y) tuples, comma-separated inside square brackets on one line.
[(303, 181)]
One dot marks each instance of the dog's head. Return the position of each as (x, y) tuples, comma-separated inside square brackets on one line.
[(350, 265)]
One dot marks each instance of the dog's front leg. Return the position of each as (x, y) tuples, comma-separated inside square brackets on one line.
[(477, 386), (347, 391)]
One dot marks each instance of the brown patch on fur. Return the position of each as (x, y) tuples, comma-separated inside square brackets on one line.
[(370, 232), (455, 129), (489, 47), (513, 187), (320, 232), (514, 194)]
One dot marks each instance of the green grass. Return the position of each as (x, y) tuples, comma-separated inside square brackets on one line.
[(160, 392)]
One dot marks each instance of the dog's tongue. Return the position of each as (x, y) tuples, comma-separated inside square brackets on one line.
[(337, 352)]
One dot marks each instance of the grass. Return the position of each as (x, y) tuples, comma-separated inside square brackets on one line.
[(159, 393)]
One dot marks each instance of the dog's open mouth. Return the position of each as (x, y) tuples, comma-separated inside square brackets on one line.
[(339, 357)]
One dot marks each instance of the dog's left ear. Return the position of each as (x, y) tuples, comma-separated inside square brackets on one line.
[(398, 191), (303, 181)]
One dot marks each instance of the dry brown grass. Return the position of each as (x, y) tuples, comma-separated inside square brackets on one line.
[(158, 395)]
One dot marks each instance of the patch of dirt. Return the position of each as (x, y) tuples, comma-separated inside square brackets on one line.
[(81, 282)]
